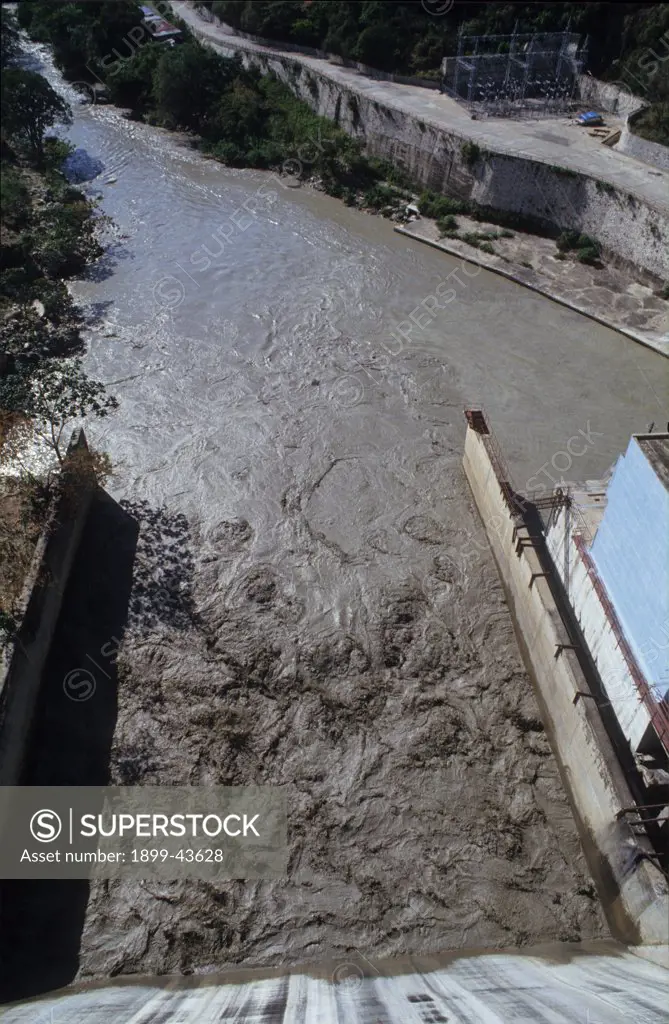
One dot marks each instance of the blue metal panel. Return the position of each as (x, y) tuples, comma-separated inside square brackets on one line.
[(631, 553)]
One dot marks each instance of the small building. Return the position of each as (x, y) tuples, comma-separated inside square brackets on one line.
[(610, 547), (161, 30)]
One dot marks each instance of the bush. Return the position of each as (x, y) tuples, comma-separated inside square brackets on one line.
[(56, 151), (568, 240), (584, 241), (14, 198), (471, 153), (587, 249), (436, 206), (588, 254), (447, 227), (228, 153), (379, 196)]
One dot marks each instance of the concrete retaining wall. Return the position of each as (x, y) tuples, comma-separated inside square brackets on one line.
[(641, 149), (611, 97), (634, 893), (625, 226), (42, 600)]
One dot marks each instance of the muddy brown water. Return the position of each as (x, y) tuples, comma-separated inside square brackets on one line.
[(313, 602)]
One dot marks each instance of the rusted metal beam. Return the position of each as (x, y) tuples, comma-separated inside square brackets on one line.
[(559, 648)]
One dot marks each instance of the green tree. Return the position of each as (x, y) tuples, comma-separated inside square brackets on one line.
[(29, 106), (131, 85), (188, 82), (48, 397), (9, 38), (84, 35)]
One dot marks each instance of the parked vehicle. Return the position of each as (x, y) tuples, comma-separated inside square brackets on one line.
[(590, 119)]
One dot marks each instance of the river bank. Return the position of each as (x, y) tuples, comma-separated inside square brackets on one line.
[(610, 290), (603, 293), (255, 121), (549, 171), (49, 235)]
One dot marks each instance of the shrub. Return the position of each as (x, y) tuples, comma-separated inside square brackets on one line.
[(585, 242), (379, 196), (588, 254), (14, 198), (433, 205), (568, 240), (471, 153), (587, 249)]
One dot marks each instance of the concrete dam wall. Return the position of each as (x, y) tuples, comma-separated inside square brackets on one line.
[(633, 890), (21, 671), (626, 225)]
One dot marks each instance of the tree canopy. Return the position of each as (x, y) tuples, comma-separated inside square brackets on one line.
[(82, 34), (405, 36), (50, 396), (30, 106), (9, 37)]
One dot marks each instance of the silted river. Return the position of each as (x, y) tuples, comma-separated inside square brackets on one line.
[(313, 604)]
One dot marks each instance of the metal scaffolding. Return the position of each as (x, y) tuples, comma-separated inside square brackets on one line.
[(521, 75)]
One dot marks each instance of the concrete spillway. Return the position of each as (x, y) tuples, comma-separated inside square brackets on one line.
[(596, 984)]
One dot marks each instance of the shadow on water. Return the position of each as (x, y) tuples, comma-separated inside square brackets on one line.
[(164, 571), (71, 740), (105, 266)]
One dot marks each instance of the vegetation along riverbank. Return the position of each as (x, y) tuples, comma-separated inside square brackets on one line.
[(48, 234)]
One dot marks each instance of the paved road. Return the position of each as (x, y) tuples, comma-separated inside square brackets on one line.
[(597, 983), (554, 141)]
